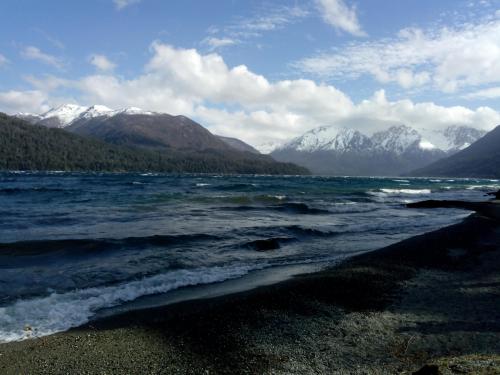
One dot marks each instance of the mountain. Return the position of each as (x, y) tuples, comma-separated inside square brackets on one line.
[(135, 127), (33, 147), (330, 139), (65, 115), (398, 149), (61, 116), (238, 144), (153, 130), (481, 159)]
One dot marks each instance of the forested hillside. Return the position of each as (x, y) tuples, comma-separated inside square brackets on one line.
[(30, 147)]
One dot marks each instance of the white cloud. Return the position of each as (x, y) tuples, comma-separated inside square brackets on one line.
[(34, 53), (449, 59), (48, 83), (183, 81), (378, 111), (120, 4), (489, 93), (3, 60), (342, 17), (270, 18), (234, 101), (33, 101), (102, 63), (215, 43)]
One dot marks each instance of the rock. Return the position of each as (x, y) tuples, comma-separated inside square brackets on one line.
[(265, 245)]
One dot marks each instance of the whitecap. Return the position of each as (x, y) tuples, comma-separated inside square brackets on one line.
[(61, 311), (406, 191)]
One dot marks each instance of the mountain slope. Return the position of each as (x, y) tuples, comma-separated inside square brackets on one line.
[(480, 159), (31, 147), (390, 152), (135, 127), (153, 130), (238, 144)]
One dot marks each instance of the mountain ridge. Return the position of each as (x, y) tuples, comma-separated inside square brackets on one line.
[(393, 151), (481, 159)]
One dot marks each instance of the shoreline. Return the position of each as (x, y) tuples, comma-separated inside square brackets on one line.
[(391, 310)]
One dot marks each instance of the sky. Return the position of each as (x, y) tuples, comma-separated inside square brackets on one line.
[(261, 71)]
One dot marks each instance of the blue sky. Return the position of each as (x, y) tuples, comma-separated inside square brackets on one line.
[(264, 71)]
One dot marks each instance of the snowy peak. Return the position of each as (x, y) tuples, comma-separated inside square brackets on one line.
[(453, 138), (64, 114), (460, 137), (330, 138), (68, 114), (95, 111), (398, 139), (349, 140), (133, 111)]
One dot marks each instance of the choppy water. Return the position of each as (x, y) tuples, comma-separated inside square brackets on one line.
[(72, 244)]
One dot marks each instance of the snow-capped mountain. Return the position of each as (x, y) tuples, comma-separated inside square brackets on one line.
[(68, 114), (461, 137), (135, 127), (327, 138), (398, 149), (94, 111), (398, 140)]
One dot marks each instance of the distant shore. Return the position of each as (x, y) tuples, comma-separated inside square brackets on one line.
[(431, 300)]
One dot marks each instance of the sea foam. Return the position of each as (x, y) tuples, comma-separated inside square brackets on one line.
[(61, 311)]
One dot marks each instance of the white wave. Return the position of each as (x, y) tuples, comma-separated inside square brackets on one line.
[(61, 311), (435, 180), (279, 197), (385, 192), (401, 180), (483, 187), (202, 184)]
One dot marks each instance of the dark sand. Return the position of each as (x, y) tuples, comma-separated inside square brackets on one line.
[(431, 300)]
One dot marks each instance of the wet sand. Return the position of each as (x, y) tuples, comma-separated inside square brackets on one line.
[(432, 300)]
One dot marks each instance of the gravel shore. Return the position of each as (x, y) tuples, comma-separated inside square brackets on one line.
[(431, 302)]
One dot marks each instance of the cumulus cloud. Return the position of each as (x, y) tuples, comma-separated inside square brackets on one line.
[(120, 4), (32, 101), (34, 53), (235, 101), (449, 59), (342, 17), (102, 63), (378, 111), (184, 81)]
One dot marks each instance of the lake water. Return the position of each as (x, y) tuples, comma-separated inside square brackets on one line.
[(75, 244)]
